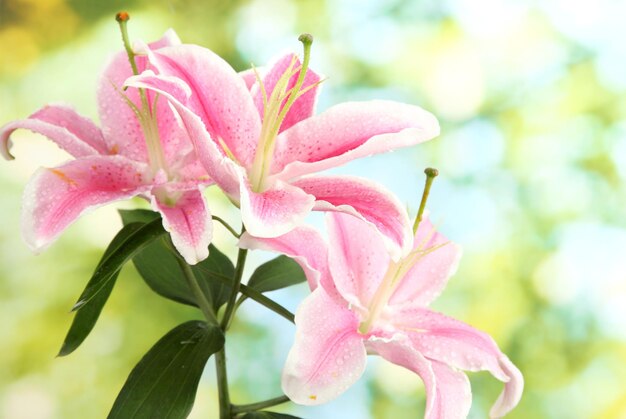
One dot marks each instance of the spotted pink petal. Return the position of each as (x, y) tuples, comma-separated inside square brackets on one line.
[(328, 354), (120, 125), (189, 169), (444, 339), (274, 212), (222, 170), (366, 200), (304, 244), (429, 276), (188, 220), (448, 391), (304, 106), (54, 198), (177, 147), (219, 96), (75, 134), (357, 258), (348, 131)]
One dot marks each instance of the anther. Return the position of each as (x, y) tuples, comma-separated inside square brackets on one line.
[(122, 17)]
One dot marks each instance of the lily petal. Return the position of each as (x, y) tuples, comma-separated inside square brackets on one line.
[(169, 38), (248, 76), (423, 283), (304, 244), (348, 131), (444, 339), (274, 212), (188, 220), (120, 125), (366, 200), (513, 389), (328, 355), (357, 258), (74, 133), (54, 198), (448, 391), (304, 106), (222, 170), (220, 96)]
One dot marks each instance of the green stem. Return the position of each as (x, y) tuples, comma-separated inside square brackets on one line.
[(222, 384), (236, 285), (205, 305), (255, 295), (253, 407), (226, 226), (220, 357), (267, 302)]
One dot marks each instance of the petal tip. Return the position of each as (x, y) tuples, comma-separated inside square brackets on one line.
[(171, 37), (6, 143), (36, 243), (298, 393), (512, 392), (191, 254), (188, 222)]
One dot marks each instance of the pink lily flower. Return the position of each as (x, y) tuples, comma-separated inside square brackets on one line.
[(367, 303), (261, 143), (140, 150)]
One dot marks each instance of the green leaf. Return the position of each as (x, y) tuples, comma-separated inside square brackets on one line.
[(85, 319), (207, 271), (158, 266), (276, 274), (111, 265), (268, 415), (138, 216), (164, 383)]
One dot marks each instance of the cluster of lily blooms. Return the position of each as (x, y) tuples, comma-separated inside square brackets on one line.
[(176, 118)]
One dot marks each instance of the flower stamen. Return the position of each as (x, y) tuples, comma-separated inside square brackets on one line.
[(275, 109), (122, 19), (398, 270), (391, 280), (147, 113), (257, 76)]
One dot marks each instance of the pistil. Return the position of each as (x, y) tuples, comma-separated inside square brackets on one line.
[(147, 113), (274, 112), (381, 297), (431, 174), (397, 271)]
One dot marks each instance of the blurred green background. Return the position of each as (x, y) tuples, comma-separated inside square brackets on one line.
[(532, 157)]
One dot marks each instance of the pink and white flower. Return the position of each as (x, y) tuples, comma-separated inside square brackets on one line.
[(140, 150), (258, 139), (368, 303)]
